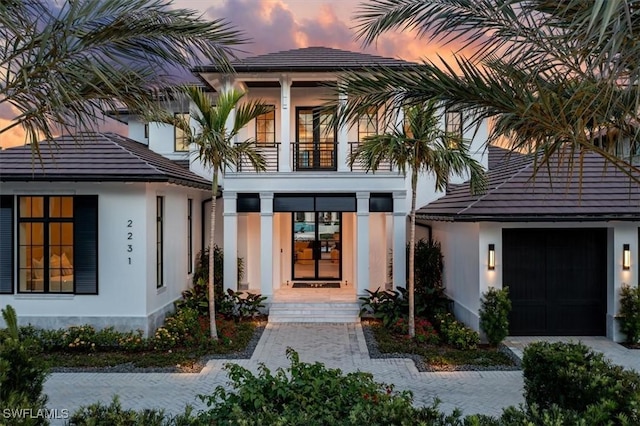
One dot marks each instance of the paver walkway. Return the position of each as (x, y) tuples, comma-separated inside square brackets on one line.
[(336, 345)]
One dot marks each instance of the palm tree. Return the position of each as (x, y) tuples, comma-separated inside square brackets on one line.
[(420, 146), (217, 128), (552, 76), (65, 65)]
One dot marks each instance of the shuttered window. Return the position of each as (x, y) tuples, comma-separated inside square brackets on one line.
[(56, 249), (6, 244)]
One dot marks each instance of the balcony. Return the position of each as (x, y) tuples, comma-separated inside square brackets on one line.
[(271, 154), (306, 156), (314, 156), (358, 167)]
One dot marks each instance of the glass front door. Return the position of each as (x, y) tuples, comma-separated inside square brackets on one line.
[(317, 250)]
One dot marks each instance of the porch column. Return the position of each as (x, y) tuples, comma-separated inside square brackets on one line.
[(266, 243), (285, 124), (362, 243), (343, 139), (230, 249), (399, 240)]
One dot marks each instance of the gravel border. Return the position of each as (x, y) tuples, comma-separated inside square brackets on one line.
[(374, 352), (195, 368)]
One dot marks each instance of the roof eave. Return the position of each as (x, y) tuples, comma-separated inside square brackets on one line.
[(106, 178), (250, 68), (627, 217)]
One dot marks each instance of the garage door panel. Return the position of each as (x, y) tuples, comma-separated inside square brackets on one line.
[(557, 280), (583, 317), (528, 318)]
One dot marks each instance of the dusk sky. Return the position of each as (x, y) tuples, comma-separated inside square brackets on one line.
[(276, 25)]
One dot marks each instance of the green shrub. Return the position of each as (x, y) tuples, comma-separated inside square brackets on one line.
[(198, 295), (455, 333), (79, 338), (164, 340), (21, 374), (630, 313), (315, 395), (132, 341), (389, 306), (424, 330), (183, 328), (494, 314), (242, 306), (114, 415), (575, 378)]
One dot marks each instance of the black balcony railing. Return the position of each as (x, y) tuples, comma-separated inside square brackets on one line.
[(314, 156), (270, 152), (357, 166)]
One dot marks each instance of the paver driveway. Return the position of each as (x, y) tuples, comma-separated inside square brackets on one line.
[(336, 345)]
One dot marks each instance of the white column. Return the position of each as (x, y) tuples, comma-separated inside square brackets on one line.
[(343, 139), (230, 221), (399, 240), (266, 243), (622, 233), (362, 241), (285, 123)]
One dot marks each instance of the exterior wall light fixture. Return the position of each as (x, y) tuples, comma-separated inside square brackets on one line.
[(626, 257), (491, 264)]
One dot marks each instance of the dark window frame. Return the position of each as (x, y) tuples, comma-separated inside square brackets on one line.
[(454, 126), (371, 117), (183, 137), (189, 235), (160, 241), (46, 220), (263, 118)]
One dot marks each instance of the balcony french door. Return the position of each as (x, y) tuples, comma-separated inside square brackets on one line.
[(315, 148), (317, 250)]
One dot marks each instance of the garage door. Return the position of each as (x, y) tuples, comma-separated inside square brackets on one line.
[(557, 281)]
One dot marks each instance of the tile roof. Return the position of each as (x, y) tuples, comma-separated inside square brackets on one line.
[(94, 157), (311, 59), (556, 193)]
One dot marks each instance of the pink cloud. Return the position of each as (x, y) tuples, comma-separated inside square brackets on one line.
[(273, 26)]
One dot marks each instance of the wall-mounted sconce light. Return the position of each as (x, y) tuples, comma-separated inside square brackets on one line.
[(626, 257), (491, 264)]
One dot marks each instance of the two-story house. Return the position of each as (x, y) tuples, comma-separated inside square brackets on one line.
[(310, 229), (311, 220)]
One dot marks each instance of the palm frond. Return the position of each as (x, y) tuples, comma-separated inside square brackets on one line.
[(547, 73), (63, 67)]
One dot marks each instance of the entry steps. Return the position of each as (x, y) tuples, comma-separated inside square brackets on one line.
[(314, 312)]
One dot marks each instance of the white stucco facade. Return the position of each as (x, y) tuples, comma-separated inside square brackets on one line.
[(127, 293), (467, 276)]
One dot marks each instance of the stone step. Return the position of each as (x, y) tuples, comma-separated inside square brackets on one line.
[(314, 312)]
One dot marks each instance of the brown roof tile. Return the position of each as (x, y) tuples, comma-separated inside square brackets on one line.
[(311, 59), (556, 192), (94, 157)]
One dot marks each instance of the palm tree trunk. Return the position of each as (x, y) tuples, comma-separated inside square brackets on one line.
[(412, 253), (211, 286)]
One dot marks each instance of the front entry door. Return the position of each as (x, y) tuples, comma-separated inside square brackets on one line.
[(317, 248)]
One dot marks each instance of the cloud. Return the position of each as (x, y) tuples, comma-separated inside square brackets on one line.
[(273, 26)]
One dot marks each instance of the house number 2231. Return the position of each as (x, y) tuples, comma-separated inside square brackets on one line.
[(129, 239)]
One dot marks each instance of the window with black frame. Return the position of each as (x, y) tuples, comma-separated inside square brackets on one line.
[(45, 244), (266, 127), (368, 124), (159, 241), (181, 142), (453, 123)]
